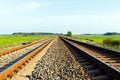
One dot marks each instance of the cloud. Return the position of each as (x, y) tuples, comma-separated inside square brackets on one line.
[(63, 14), (29, 5), (75, 23), (9, 9), (75, 20)]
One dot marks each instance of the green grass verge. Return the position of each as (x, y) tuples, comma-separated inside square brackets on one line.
[(98, 39), (12, 40)]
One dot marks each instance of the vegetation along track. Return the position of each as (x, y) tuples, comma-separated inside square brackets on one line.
[(99, 63), (18, 48), (9, 70)]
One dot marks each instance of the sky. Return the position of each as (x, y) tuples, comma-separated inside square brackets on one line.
[(59, 16)]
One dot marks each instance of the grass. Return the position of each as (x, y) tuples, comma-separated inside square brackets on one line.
[(98, 39), (12, 40)]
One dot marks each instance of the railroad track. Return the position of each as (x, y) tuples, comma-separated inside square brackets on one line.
[(8, 58), (18, 48), (11, 69), (99, 63)]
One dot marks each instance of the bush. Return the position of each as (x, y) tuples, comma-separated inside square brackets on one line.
[(69, 33), (111, 42), (116, 43)]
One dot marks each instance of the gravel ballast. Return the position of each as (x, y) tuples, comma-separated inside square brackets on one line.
[(58, 64)]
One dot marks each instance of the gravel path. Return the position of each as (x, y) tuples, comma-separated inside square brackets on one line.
[(8, 58), (58, 64)]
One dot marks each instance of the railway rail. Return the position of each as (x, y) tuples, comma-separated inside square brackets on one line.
[(15, 66), (8, 59), (18, 48), (99, 63)]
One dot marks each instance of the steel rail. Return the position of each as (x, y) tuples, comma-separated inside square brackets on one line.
[(18, 48), (109, 70), (13, 69)]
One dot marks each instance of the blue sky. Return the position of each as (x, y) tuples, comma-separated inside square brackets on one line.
[(78, 16)]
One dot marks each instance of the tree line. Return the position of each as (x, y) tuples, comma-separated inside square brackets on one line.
[(112, 33), (34, 33)]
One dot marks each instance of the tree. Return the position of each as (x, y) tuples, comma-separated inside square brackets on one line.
[(69, 33)]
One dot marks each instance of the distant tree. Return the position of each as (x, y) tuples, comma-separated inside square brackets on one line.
[(112, 33), (34, 33), (69, 33)]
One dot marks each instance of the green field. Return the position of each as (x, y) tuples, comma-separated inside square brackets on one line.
[(98, 39), (10, 40)]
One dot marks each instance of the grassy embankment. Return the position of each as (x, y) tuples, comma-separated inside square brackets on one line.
[(112, 42), (10, 40)]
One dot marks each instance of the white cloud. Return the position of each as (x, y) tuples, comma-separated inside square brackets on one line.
[(30, 13), (75, 23), (29, 5), (76, 20), (9, 9)]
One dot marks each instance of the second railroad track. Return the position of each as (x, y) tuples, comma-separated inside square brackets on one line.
[(13, 67), (99, 63)]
